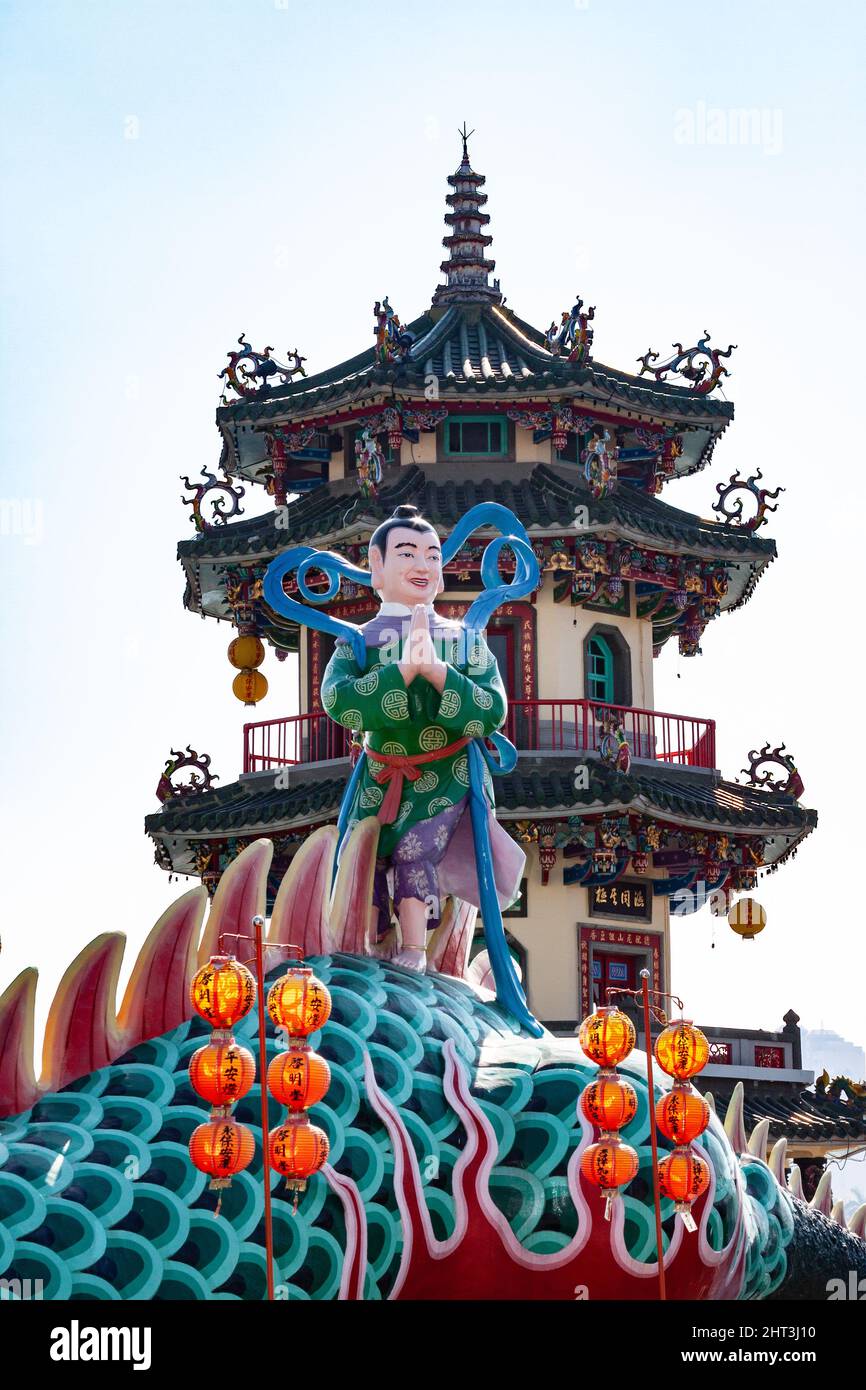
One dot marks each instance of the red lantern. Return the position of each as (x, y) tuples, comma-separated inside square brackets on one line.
[(299, 1002), (609, 1102), (609, 1165), (395, 439), (682, 1114), (607, 1036), (222, 992), (682, 1050), (298, 1078), (683, 1176), (297, 1149), (221, 1148), (222, 1072)]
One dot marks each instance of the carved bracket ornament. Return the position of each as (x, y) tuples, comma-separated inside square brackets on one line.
[(249, 372), (571, 338), (200, 780), (404, 421), (613, 744), (369, 462), (700, 366), (762, 497), (793, 784), (223, 505), (393, 341)]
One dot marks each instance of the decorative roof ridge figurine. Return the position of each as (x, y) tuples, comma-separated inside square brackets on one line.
[(683, 363), (201, 778), (393, 341), (765, 757), (224, 505), (262, 367), (427, 694), (572, 336), (733, 516)]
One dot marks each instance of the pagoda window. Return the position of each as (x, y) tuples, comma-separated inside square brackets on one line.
[(599, 671), (607, 667), (476, 435)]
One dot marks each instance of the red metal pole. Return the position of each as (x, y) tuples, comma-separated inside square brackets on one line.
[(652, 1124), (258, 925)]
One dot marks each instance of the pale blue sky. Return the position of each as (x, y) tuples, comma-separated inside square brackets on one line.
[(288, 168)]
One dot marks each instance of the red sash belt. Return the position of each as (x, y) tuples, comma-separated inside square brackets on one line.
[(399, 766)]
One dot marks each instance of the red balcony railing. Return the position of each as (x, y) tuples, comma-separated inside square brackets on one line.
[(550, 726)]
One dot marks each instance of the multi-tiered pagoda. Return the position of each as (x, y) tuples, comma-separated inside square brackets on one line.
[(620, 807)]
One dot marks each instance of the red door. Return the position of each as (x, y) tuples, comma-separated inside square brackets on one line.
[(610, 971)]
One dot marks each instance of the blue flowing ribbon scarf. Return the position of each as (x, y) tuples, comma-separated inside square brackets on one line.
[(302, 559)]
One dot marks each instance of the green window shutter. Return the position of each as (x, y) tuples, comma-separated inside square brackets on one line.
[(599, 670), (476, 435)]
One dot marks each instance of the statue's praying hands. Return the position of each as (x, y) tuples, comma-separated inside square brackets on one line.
[(419, 656)]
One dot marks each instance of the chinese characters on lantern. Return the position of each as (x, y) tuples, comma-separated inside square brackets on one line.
[(221, 1072), (298, 1078)]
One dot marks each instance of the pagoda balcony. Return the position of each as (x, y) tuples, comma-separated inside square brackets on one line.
[(533, 726)]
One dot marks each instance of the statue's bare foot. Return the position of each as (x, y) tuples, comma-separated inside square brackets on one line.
[(411, 959)]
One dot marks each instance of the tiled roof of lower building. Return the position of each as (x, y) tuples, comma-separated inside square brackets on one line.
[(799, 1115)]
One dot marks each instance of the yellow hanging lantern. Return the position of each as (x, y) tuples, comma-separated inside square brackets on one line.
[(246, 652), (747, 918), (250, 687)]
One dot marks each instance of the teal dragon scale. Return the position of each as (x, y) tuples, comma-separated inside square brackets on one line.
[(455, 1138)]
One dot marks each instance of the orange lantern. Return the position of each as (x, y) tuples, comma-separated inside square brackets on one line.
[(297, 1149), (682, 1114), (299, 1002), (610, 1164), (607, 1036), (609, 1102), (683, 1176), (222, 992), (250, 687), (222, 1072), (246, 652), (682, 1050), (298, 1078), (221, 1148)]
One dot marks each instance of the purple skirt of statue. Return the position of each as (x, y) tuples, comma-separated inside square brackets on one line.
[(436, 858)]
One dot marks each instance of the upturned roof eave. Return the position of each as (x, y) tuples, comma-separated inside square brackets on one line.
[(362, 373)]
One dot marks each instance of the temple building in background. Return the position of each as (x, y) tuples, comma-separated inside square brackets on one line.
[(621, 808)]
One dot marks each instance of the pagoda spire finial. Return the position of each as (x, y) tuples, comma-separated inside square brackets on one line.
[(467, 268), (464, 136)]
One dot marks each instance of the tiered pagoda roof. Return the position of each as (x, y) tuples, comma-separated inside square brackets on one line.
[(549, 385), (544, 496), (538, 788), (479, 351), (478, 354)]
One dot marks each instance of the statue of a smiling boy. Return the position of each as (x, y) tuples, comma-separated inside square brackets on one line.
[(430, 686)]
